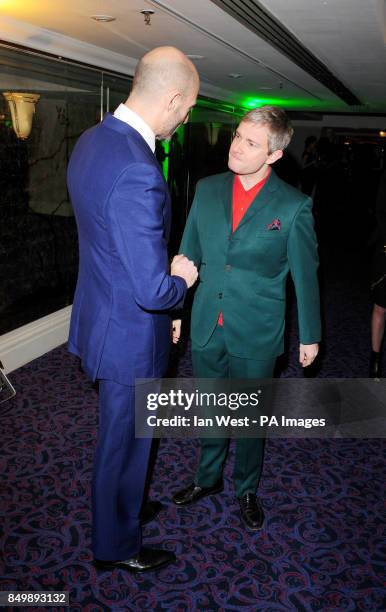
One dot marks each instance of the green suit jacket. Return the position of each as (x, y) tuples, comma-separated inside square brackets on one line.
[(243, 274)]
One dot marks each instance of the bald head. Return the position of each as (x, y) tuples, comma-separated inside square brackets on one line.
[(164, 69), (165, 90)]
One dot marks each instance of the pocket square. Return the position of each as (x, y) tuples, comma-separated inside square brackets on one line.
[(275, 225)]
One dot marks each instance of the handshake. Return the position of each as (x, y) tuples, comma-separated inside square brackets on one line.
[(182, 266)]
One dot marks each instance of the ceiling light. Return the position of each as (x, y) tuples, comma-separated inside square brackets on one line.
[(193, 56), (235, 75), (382, 134), (103, 18), (147, 15)]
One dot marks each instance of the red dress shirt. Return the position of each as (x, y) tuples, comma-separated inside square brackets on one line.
[(241, 201)]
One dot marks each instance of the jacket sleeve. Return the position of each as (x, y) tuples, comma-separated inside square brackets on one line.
[(135, 211), (190, 244), (303, 262)]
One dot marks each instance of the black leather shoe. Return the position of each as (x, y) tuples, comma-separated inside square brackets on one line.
[(149, 511), (251, 511), (193, 493), (375, 365), (146, 560)]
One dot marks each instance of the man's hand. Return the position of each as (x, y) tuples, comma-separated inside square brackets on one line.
[(307, 353), (182, 266), (176, 330)]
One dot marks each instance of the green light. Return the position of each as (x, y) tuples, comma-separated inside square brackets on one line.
[(291, 103), (165, 163), (180, 134), (256, 102), (250, 100)]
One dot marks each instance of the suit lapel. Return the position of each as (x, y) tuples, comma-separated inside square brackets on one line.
[(226, 197), (167, 215), (261, 200)]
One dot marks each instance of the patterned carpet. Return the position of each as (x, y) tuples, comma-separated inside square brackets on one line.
[(322, 546)]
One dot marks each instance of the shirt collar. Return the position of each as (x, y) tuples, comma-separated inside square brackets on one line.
[(257, 186), (123, 113)]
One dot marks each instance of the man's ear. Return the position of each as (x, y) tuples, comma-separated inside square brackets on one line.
[(174, 100), (275, 156)]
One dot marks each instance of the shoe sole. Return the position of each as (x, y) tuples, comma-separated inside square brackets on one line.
[(253, 529), (106, 567)]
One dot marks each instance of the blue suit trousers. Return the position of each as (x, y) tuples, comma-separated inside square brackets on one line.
[(120, 466)]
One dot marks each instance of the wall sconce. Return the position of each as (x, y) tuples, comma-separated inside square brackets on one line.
[(22, 107)]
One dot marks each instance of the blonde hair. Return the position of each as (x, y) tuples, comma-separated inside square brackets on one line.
[(280, 130)]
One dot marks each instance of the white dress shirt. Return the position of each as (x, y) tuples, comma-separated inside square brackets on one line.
[(123, 113)]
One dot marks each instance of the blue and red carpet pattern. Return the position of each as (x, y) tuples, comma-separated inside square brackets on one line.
[(323, 543)]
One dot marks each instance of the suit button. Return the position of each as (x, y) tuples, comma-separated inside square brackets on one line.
[(220, 296), (228, 267)]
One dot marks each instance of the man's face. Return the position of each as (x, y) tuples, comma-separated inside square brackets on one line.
[(179, 114), (249, 152)]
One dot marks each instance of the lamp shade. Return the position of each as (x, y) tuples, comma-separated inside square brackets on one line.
[(22, 107)]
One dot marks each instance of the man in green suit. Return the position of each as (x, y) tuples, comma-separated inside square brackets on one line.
[(246, 231)]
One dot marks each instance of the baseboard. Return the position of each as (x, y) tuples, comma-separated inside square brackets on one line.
[(26, 343)]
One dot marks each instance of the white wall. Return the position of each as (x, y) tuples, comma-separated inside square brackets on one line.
[(26, 343)]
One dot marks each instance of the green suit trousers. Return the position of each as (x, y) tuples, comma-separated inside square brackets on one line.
[(214, 361)]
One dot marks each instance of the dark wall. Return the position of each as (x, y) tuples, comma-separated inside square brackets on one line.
[(38, 238)]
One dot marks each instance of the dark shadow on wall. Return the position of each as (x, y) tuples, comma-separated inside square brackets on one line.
[(38, 252)]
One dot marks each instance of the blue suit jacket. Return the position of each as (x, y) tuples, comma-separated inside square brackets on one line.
[(120, 327)]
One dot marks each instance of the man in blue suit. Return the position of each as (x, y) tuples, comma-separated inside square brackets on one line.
[(120, 324)]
